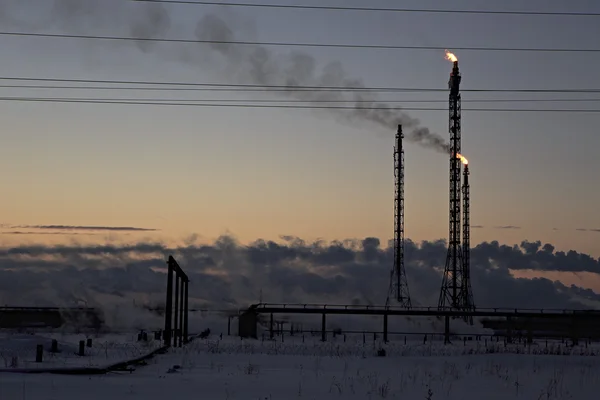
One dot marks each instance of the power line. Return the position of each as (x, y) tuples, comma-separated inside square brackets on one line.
[(319, 101), (372, 9), (281, 106), (295, 88), (144, 88), (297, 44)]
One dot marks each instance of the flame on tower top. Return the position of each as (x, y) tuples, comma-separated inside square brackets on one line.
[(451, 57)]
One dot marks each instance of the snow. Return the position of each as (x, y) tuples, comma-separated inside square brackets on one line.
[(105, 350), (235, 369)]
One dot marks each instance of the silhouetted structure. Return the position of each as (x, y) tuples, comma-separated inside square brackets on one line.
[(176, 324), (50, 317), (466, 244), (454, 294), (576, 322), (398, 282), (556, 328)]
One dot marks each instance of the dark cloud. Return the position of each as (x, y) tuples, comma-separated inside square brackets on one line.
[(227, 274), (588, 230), (46, 233), (477, 226), (532, 256), (85, 228), (507, 227)]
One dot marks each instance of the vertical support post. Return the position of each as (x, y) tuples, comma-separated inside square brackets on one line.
[(181, 299), (169, 303), (323, 327), (385, 328), (176, 313), (39, 353), (575, 332), (447, 330), (271, 333), (186, 315)]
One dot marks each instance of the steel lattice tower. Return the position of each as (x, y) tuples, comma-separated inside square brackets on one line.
[(453, 294), (466, 245), (398, 282)]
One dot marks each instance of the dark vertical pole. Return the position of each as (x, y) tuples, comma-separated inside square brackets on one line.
[(169, 303), (271, 327), (575, 332), (323, 329), (385, 328), (39, 353), (228, 326), (176, 313), (181, 297), (185, 316)]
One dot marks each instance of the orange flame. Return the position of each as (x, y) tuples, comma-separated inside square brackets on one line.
[(451, 57), (463, 159)]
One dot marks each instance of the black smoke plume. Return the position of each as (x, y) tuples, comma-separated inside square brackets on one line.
[(261, 66), (247, 63)]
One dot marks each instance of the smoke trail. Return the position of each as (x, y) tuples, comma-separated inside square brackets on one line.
[(245, 63), (261, 66)]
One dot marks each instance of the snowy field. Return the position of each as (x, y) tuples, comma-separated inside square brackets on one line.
[(19, 350), (234, 369)]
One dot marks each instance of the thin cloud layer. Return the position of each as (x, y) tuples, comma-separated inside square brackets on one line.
[(225, 274), (45, 233), (85, 228)]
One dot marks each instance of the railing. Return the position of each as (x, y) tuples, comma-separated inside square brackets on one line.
[(416, 309)]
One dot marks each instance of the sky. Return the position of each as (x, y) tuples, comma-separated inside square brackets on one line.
[(263, 173)]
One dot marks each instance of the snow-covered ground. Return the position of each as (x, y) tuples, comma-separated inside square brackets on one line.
[(19, 350), (234, 369)]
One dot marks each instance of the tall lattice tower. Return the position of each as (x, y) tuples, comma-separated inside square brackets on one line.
[(466, 244), (398, 283), (453, 294)]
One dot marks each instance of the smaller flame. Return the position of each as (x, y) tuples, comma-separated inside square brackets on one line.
[(451, 57), (463, 159)]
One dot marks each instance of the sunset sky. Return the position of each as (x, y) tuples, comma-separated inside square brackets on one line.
[(261, 173)]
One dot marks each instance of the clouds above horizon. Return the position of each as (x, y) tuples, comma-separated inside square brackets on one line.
[(84, 228), (227, 274), (69, 230)]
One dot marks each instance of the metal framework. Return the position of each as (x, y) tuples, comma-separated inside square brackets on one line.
[(452, 293), (176, 324), (466, 270), (577, 319), (398, 282)]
